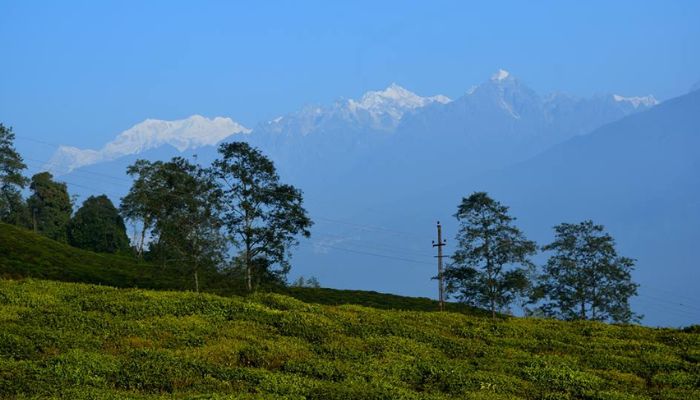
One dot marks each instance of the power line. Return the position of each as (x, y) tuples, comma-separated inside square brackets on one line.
[(695, 309), (371, 254), (371, 227), (77, 171), (375, 245)]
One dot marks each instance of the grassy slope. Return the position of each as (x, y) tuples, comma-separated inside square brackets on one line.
[(79, 341), (25, 254)]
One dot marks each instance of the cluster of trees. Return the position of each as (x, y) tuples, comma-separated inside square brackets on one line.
[(235, 213), (235, 216), (48, 210), (584, 278)]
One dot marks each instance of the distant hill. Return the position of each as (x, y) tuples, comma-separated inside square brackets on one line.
[(80, 342)]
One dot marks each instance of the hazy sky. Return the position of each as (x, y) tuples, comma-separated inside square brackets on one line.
[(80, 72)]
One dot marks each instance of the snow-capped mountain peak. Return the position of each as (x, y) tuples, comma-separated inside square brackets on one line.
[(393, 100), (380, 110), (637, 101), (189, 133), (500, 75)]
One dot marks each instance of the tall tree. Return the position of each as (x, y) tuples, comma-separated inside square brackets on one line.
[(97, 226), (585, 278), (140, 204), (12, 181), (263, 217), (179, 203), (491, 266), (50, 206)]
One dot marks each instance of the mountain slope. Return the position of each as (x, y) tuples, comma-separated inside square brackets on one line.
[(640, 177), (76, 341)]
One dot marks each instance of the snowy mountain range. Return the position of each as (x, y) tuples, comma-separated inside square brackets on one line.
[(185, 134), (500, 107)]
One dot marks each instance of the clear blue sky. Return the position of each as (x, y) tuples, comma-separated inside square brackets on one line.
[(80, 72)]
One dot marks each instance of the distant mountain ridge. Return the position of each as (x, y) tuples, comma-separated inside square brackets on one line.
[(500, 106), (189, 133)]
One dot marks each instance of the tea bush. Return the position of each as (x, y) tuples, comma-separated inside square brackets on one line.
[(80, 341)]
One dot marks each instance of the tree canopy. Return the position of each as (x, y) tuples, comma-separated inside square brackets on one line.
[(263, 217), (97, 226), (178, 202), (12, 181), (50, 206), (491, 265), (585, 278)]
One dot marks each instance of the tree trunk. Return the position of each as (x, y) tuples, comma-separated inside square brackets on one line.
[(249, 278), (249, 273), (141, 242), (196, 281)]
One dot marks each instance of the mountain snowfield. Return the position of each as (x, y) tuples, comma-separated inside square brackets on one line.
[(189, 133), (380, 110)]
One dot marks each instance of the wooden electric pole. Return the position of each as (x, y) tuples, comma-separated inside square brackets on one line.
[(441, 287)]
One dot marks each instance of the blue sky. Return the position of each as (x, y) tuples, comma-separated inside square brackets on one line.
[(80, 72)]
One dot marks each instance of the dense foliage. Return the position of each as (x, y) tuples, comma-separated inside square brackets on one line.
[(97, 226), (77, 341), (491, 265), (263, 216), (12, 208), (178, 201), (585, 278), (234, 216), (50, 206)]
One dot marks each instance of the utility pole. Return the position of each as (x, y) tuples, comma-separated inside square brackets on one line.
[(441, 287)]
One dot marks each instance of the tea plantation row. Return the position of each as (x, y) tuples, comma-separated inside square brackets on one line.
[(80, 341)]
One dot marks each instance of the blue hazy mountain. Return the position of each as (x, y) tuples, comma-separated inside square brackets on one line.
[(393, 140), (640, 177)]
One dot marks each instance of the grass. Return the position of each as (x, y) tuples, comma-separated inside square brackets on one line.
[(78, 341)]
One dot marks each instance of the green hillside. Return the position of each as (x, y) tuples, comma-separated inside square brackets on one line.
[(26, 254), (79, 341)]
